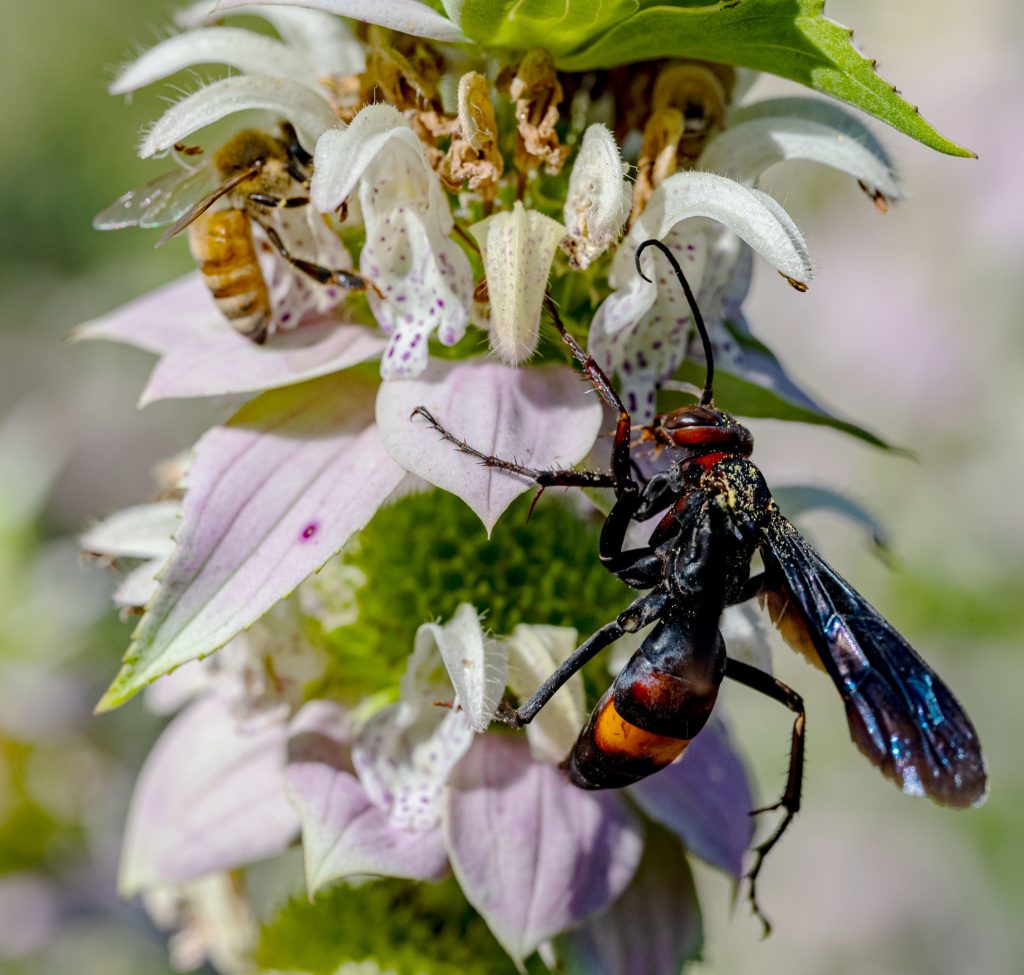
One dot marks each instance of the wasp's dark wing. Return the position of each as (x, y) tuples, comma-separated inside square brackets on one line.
[(900, 713)]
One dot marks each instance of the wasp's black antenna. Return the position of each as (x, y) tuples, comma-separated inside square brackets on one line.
[(707, 395)]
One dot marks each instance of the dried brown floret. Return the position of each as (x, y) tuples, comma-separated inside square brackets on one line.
[(474, 154)]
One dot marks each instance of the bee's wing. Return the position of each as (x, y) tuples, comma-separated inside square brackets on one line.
[(201, 206), (159, 202), (901, 715)]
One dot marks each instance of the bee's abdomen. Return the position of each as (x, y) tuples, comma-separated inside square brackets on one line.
[(223, 247)]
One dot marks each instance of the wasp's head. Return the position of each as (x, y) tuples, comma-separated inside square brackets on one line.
[(702, 429)]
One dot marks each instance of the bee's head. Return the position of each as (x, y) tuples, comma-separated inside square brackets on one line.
[(246, 149)]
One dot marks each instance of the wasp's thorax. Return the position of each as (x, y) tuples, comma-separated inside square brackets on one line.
[(702, 430)]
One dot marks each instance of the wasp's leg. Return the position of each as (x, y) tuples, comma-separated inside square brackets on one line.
[(541, 477), (278, 202), (758, 680), (319, 273), (622, 468), (634, 617)]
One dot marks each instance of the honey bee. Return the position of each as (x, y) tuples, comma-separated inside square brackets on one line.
[(255, 174)]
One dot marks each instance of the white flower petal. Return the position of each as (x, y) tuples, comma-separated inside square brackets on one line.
[(477, 665), (426, 281), (241, 49), (407, 16), (142, 532), (301, 105), (817, 110), (745, 151), (423, 277), (517, 250), (534, 652), (641, 330), (404, 753), (752, 215), (342, 158), (598, 199)]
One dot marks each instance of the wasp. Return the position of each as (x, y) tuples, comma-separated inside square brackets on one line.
[(255, 174), (716, 512)]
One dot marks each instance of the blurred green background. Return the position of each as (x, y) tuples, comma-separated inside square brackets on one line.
[(912, 327)]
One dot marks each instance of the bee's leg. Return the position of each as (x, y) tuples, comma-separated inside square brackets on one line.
[(319, 273), (299, 161), (758, 680), (275, 202), (545, 479)]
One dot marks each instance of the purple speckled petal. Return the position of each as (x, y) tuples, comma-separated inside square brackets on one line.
[(532, 853), (405, 752), (704, 798), (540, 417), (653, 928), (343, 833), (210, 797), (271, 495)]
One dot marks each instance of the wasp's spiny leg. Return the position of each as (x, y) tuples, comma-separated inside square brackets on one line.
[(622, 467), (555, 478), (758, 680)]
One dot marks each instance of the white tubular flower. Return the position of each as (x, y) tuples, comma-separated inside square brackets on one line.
[(780, 129), (640, 330), (517, 249), (598, 200), (423, 279), (310, 113)]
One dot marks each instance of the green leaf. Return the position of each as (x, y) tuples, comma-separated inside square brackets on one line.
[(557, 25), (745, 398), (789, 38), (798, 499)]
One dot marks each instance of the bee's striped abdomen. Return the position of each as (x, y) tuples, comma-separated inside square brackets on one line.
[(225, 252)]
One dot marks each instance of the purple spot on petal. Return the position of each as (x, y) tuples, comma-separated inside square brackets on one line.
[(310, 530), (286, 317)]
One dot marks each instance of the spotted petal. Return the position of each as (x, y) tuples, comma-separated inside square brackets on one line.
[(261, 513), (541, 417), (405, 752), (343, 833), (532, 853), (301, 105), (423, 279)]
